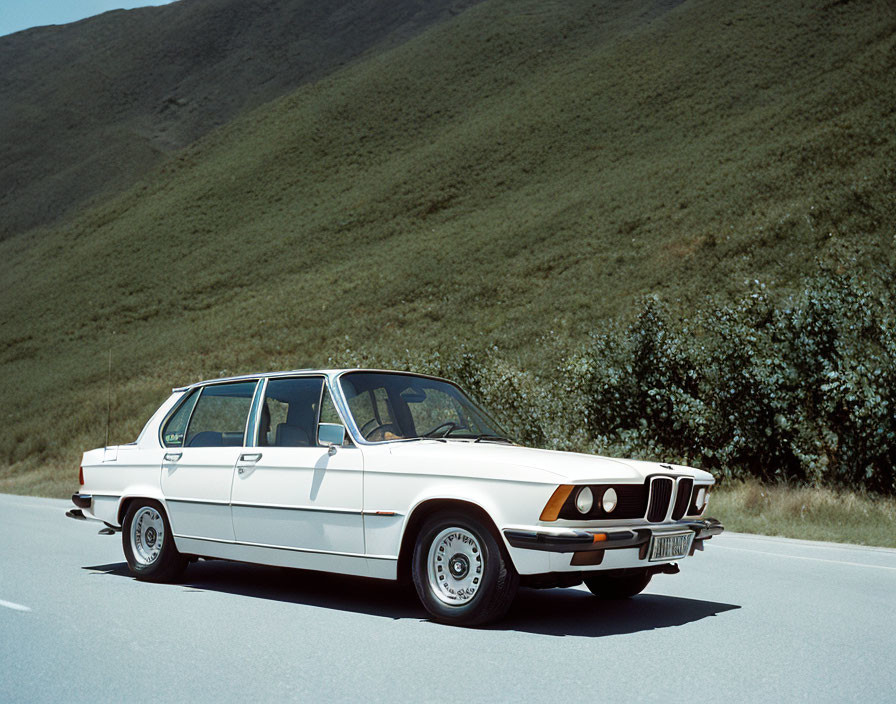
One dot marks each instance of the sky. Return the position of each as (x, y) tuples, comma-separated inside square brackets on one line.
[(16, 15)]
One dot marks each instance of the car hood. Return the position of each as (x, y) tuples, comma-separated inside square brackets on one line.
[(549, 465)]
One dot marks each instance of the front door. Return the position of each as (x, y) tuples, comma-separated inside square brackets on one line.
[(289, 492), (199, 462)]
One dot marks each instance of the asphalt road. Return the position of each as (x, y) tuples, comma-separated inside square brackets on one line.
[(750, 619)]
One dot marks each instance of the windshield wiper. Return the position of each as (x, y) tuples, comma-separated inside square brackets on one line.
[(497, 438)]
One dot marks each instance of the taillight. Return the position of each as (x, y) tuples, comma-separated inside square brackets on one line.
[(81, 476)]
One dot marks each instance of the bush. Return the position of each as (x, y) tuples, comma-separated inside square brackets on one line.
[(803, 390), (800, 389)]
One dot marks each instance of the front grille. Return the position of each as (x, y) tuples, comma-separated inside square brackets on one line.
[(660, 496), (682, 498), (631, 502)]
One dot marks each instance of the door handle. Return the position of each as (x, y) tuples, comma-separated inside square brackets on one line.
[(173, 456), (250, 457)]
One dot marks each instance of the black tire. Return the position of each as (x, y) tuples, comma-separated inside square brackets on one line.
[(167, 564), (621, 586), (497, 579)]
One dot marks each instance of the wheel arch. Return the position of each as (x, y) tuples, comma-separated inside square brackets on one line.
[(129, 498), (423, 510)]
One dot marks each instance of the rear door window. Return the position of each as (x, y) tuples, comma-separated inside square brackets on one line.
[(220, 416)]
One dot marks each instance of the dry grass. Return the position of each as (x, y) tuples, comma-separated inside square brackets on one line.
[(806, 512)]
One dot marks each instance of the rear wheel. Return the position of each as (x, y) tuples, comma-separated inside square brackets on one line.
[(618, 586), (461, 574), (149, 544)]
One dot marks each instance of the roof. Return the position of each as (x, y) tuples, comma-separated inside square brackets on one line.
[(293, 372)]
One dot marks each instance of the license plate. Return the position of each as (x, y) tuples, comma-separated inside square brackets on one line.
[(670, 547)]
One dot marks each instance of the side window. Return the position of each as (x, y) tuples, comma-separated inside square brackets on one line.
[(328, 412), (219, 419), (175, 429), (289, 412)]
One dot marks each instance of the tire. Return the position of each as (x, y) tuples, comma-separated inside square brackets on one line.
[(461, 573), (618, 586), (149, 543)]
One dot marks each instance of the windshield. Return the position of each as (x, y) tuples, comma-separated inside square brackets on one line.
[(388, 406)]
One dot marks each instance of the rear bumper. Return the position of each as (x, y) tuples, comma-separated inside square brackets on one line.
[(82, 500), (580, 540)]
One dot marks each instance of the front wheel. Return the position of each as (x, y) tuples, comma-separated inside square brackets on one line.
[(149, 544), (618, 586), (460, 571)]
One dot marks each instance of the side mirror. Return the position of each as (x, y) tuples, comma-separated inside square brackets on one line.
[(331, 435)]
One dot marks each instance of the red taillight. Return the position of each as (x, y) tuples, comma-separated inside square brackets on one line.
[(81, 476)]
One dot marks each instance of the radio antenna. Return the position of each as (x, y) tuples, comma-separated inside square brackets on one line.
[(108, 398)]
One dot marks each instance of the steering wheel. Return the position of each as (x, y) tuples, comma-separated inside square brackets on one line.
[(384, 427), (449, 425)]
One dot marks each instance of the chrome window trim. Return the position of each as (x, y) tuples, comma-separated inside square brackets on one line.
[(344, 412), (331, 378), (252, 422)]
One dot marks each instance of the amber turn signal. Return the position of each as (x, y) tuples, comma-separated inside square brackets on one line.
[(599, 537), (555, 503)]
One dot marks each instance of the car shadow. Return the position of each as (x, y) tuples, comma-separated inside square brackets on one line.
[(576, 612), (555, 612)]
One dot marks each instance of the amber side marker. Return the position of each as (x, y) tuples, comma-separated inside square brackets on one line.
[(555, 503), (599, 537)]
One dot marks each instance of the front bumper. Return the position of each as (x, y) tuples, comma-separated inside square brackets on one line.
[(581, 540)]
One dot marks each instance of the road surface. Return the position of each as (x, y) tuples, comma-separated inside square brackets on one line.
[(750, 619)]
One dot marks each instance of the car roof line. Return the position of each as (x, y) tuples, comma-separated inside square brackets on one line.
[(289, 372)]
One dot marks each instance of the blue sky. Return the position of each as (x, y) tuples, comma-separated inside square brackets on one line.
[(22, 14)]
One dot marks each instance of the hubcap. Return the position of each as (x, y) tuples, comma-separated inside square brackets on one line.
[(147, 535), (455, 566)]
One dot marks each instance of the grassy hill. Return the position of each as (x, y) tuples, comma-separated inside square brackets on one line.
[(87, 108), (521, 171)]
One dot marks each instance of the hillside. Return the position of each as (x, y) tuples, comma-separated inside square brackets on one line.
[(87, 108), (518, 172)]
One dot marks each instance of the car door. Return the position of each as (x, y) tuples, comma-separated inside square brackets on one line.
[(290, 492), (204, 440)]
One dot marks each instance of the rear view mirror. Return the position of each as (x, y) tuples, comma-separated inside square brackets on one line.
[(330, 434)]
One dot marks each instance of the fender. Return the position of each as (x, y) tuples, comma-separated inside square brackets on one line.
[(141, 491)]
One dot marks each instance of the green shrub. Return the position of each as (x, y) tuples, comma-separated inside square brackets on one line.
[(798, 388)]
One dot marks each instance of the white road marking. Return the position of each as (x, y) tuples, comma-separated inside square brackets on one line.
[(802, 557), (14, 606)]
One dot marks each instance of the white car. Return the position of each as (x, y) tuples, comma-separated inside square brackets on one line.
[(388, 475)]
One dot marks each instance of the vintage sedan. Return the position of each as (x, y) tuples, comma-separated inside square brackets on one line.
[(388, 475)]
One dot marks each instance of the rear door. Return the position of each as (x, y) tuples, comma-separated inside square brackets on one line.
[(204, 440), (288, 491)]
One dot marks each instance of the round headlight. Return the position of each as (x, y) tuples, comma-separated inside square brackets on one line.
[(701, 497), (584, 500), (610, 499)]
